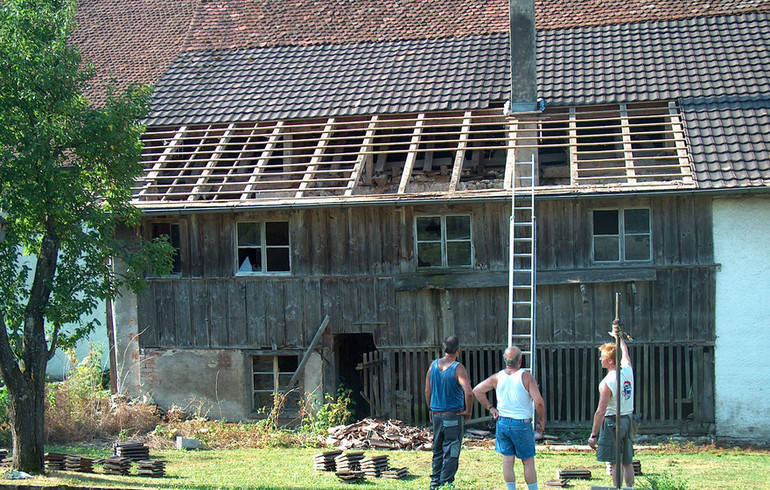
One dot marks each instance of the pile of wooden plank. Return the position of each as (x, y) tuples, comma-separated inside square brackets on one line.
[(117, 465), (151, 467), (574, 474), (377, 434), (373, 466), (79, 463), (133, 450), (351, 476), (350, 461), (55, 461), (396, 473), (325, 461)]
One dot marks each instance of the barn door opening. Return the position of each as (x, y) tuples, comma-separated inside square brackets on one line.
[(349, 349)]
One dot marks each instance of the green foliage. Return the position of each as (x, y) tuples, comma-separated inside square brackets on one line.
[(664, 481), (5, 422), (66, 170), (334, 411)]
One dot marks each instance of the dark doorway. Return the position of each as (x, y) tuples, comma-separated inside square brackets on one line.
[(349, 349)]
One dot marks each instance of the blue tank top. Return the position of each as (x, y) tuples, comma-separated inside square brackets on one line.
[(446, 394)]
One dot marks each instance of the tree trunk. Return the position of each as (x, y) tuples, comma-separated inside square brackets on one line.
[(27, 412)]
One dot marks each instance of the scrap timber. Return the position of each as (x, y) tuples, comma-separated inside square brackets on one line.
[(377, 434)]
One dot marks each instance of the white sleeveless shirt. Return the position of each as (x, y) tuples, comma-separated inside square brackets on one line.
[(513, 399), (627, 393)]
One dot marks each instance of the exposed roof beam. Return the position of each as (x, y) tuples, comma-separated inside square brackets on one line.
[(412, 155)]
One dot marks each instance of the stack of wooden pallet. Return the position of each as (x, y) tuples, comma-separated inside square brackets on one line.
[(151, 467), (373, 466), (325, 461)]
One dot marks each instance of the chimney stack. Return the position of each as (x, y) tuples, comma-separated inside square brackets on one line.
[(523, 61)]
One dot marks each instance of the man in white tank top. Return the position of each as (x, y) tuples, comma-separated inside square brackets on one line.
[(518, 398)]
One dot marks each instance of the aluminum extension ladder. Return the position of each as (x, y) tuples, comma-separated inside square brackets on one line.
[(521, 263)]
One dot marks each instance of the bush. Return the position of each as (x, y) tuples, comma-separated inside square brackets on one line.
[(317, 420), (81, 409), (5, 421)]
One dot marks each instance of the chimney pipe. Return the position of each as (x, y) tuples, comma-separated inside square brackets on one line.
[(523, 62)]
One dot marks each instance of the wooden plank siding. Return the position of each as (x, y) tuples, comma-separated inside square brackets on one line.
[(357, 265)]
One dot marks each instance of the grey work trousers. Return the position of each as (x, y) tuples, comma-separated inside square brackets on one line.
[(447, 440)]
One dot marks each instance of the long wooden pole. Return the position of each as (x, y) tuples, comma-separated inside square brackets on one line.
[(310, 348), (617, 329)]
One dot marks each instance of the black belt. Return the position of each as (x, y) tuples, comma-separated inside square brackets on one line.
[(613, 417)]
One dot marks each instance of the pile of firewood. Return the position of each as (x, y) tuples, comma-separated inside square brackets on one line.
[(378, 434)]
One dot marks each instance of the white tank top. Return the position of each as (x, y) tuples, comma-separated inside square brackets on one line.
[(513, 399), (627, 393)]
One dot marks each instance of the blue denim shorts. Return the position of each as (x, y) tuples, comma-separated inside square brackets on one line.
[(515, 437)]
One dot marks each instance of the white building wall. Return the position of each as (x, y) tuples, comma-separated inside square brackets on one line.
[(742, 351), (60, 365)]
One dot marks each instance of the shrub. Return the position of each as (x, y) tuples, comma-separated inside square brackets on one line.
[(317, 420)]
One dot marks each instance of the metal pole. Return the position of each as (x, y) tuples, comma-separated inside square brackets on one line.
[(617, 329)]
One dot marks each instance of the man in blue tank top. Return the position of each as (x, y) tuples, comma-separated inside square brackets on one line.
[(518, 402), (450, 401)]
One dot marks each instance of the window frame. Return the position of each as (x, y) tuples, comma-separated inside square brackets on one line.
[(263, 248), (276, 374), (622, 235), (177, 260), (444, 241)]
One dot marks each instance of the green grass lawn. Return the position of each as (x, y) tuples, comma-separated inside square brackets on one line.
[(479, 469)]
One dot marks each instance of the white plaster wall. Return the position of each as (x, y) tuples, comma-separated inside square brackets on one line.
[(742, 351), (59, 365)]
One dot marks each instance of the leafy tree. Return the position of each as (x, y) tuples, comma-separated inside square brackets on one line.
[(66, 168)]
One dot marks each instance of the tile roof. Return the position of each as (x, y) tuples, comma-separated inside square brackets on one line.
[(130, 41), (328, 80), (704, 57), (136, 40), (698, 57), (729, 140)]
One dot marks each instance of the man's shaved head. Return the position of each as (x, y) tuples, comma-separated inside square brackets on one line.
[(512, 356)]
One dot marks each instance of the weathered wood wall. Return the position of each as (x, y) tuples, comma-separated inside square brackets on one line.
[(357, 265)]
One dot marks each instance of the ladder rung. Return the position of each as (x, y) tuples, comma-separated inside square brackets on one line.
[(521, 335)]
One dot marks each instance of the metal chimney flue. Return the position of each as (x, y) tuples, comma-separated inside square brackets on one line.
[(523, 61)]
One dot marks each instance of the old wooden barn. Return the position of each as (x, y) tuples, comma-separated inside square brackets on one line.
[(339, 200)]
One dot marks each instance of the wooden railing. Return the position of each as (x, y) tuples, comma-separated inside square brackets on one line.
[(674, 383)]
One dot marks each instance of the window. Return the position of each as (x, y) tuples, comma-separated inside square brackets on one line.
[(271, 374), (444, 241), (263, 247), (171, 230), (621, 235)]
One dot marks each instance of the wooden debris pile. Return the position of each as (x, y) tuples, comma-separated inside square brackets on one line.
[(378, 434)]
